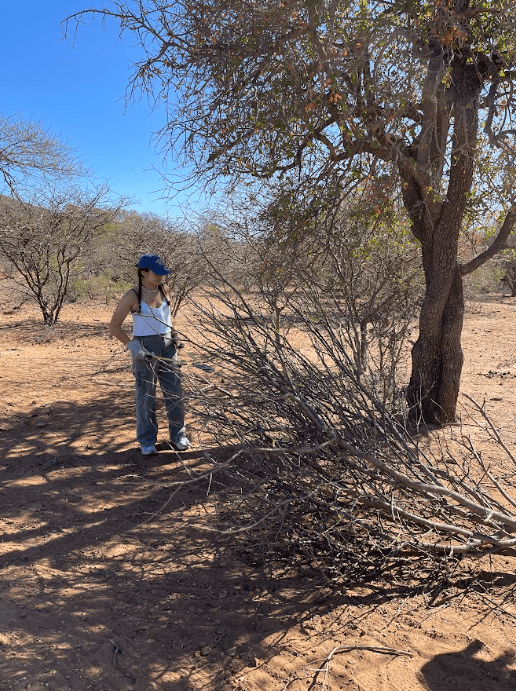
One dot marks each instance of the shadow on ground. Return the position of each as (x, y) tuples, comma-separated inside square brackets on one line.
[(109, 578), (464, 668)]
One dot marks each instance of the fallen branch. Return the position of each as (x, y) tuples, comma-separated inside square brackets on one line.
[(347, 648), (335, 481)]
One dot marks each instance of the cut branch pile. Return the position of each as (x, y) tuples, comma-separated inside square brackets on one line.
[(326, 478)]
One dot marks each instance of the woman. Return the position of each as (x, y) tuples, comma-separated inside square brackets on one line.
[(154, 354)]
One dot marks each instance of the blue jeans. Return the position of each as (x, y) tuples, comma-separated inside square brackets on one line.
[(147, 374)]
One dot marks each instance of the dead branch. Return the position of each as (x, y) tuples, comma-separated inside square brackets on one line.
[(348, 648), (324, 476)]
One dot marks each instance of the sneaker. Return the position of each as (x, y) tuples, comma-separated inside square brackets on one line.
[(181, 443), (148, 450)]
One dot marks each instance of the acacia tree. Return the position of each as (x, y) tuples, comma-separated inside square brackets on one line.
[(325, 94), (43, 238), (27, 151)]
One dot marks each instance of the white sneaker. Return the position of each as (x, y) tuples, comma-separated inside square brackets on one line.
[(148, 450), (181, 443)]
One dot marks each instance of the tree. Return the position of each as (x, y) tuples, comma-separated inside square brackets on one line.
[(356, 270), (43, 239), (334, 481), (28, 151), (327, 94), (369, 279)]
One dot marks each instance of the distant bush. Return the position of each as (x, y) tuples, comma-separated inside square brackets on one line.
[(486, 279), (97, 288)]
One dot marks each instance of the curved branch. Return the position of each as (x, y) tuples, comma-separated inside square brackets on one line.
[(499, 244)]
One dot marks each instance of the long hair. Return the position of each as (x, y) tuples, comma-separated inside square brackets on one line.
[(161, 289)]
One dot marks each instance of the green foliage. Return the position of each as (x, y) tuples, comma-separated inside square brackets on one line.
[(100, 287)]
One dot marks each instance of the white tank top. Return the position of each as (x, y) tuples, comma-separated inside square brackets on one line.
[(152, 321)]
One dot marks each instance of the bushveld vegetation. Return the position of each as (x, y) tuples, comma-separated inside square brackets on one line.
[(378, 193), (337, 480), (318, 98)]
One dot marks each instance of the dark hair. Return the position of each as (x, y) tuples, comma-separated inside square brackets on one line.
[(161, 289)]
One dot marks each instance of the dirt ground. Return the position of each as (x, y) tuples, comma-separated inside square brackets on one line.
[(109, 582)]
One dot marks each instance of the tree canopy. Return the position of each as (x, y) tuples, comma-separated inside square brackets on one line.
[(28, 151), (411, 97)]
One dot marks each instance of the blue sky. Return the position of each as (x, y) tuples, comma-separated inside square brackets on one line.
[(75, 88)]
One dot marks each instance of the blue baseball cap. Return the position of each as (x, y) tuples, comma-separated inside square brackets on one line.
[(154, 263)]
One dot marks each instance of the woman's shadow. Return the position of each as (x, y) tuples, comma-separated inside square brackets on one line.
[(462, 671)]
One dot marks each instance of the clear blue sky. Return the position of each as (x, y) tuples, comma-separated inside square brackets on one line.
[(76, 89)]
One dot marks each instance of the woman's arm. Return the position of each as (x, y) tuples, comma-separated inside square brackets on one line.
[(126, 305)]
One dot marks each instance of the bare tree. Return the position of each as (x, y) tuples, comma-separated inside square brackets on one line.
[(45, 237), (368, 280), (361, 270), (28, 152)]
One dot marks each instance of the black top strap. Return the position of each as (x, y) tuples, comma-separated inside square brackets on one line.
[(139, 300)]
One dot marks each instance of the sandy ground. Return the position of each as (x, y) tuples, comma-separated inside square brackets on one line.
[(108, 581)]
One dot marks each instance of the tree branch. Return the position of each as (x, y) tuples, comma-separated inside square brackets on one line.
[(498, 244)]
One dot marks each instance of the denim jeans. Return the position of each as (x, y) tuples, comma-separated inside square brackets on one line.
[(147, 374)]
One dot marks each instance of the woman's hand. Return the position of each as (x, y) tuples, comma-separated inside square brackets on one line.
[(137, 350)]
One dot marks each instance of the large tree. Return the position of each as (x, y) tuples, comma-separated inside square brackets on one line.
[(327, 93)]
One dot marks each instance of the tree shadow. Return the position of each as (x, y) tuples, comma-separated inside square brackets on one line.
[(109, 569), (464, 670), (111, 575), (54, 428)]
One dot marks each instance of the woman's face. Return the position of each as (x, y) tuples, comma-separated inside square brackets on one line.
[(153, 278)]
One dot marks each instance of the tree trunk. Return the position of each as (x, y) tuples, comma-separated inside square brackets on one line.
[(437, 356)]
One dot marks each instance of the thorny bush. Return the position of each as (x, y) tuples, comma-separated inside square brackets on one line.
[(323, 477)]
